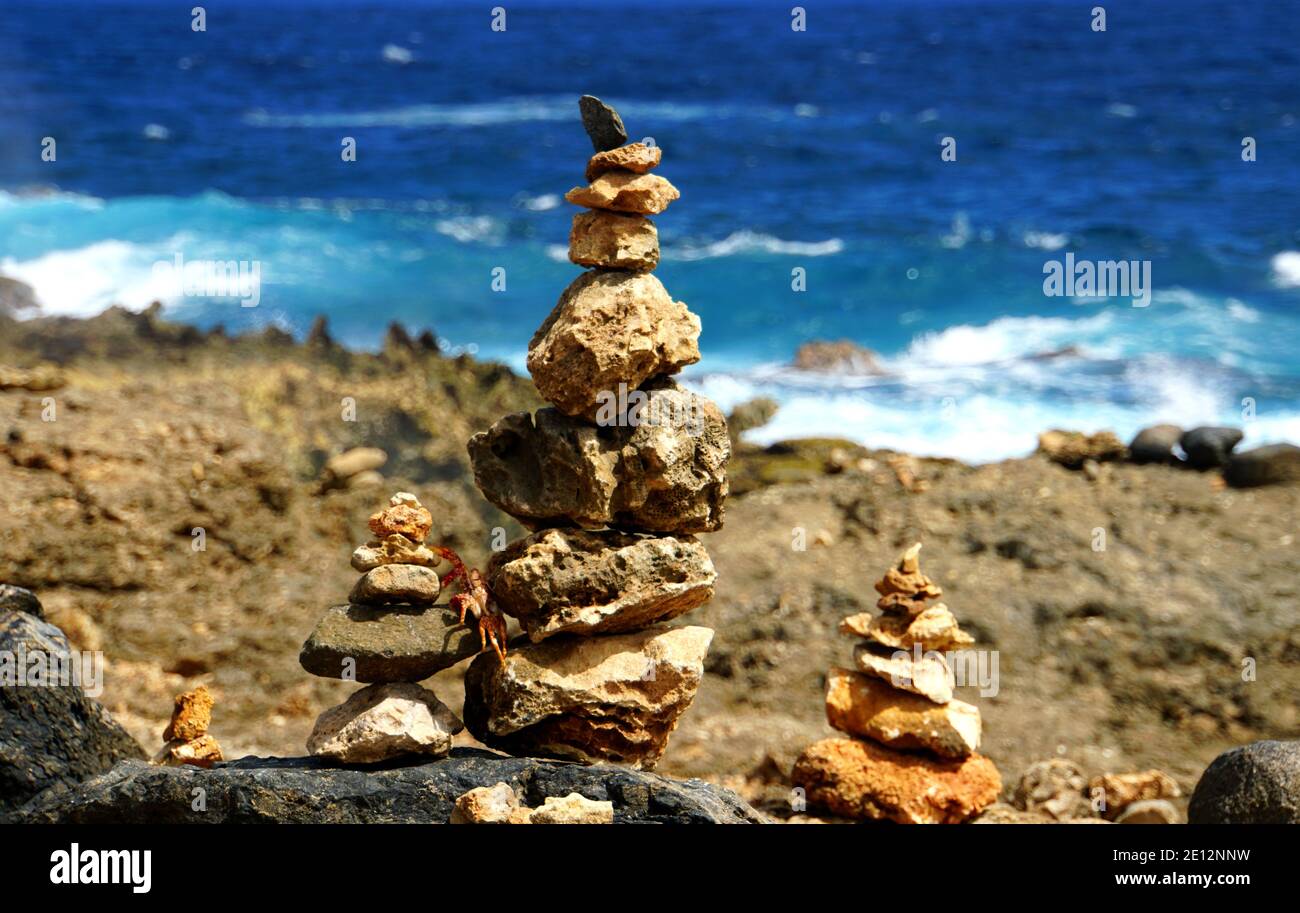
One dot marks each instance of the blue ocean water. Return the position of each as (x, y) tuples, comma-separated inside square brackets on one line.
[(816, 150)]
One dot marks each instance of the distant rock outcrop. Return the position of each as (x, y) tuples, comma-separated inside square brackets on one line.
[(838, 357)]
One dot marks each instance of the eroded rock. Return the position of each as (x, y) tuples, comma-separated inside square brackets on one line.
[(395, 549), (496, 804), (1054, 787), (862, 705), (613, 240), (904, 588), (1072, 449), (933, 629), (191, 716), (603, 125), (624, 191), (1272, 464), (928, 677), (1257, 783), (1122, 790), (404, 516), (635, 157), (573, 809), (385, 721), (202, 751)]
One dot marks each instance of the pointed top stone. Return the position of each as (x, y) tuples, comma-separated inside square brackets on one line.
[(602, 123)]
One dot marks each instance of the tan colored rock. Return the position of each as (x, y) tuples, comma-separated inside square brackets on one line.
[(191, 716), (385, 721), (607, 582), (1054, 787), (609, 328), (613, 240), (572, 809), (1122, 790), (613, 698), (404, 516), (930, 677), (390, 583), (343, 466), (667, 477), (394, 549), (495, 804), (623, 191), (39, 379), (857, 779), (904, 588), (1150, 811), (861, 705), (933, 629), (200, 752), (635, 157), (1073, 448)]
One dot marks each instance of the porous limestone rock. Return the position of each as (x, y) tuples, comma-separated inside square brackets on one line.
[(496, 804), (572, 809), (388, 583), (551, 470), (191, 716), (928, 677), (624, 191), (387, 643), (394, 549), (1054, 787), (606, 582), (609, 329), (904, 588), (385, 721), (1073, 448), (859, 779), (612, 698), (865, 706), (635, 157), (404, 516), (199, 752), (933, 629), (1122, 790), (613, 240)]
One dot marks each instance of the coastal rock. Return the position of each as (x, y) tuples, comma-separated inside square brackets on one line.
[(613, 698), (34, 380), (1122, 790), (1149, 811), (934, 629), (317, 791), (201, 751), (1155, 444), (387, 643), (1269, 465), (404, 516), (1257, 783), (857, 779), (49, 735), (603, 125), (904, 589), (838, 357), (16, 599), (191, 716), (551, 470), (861, 705), (607, 582), (929, 677), (609, 329), (1209, 447), (751, 414), (635, 157), (395, 549), (1054, 787), (1072, 449), (623, 191), (573, 809), (342, 467), (496, 804), (384, 721), (613, 240), (388, 583)]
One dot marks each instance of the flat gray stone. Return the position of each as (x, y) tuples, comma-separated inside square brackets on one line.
[(602, 123), (399, 643)]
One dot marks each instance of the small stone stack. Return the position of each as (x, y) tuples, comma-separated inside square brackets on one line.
[(614, 477), (186, 736), (390, 634), (912, 756)]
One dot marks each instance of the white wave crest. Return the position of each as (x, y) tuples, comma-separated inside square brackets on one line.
[(745, 242), (1286, 269)]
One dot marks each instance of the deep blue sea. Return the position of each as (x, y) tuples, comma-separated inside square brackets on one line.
[(817, 150)]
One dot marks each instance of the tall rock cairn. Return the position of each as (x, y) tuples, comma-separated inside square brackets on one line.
[(613, 478), (912, 755)]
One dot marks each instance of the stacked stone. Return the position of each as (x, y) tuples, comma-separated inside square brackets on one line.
[(912, 756), (186, 739), (614, 478), (391, 635)]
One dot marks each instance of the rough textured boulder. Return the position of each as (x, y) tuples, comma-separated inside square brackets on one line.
[(1122, 790), (49, 735), (1270, 465), (1073, 448), (389, 583), (191, 715), (392, 550), (933, 629), (1209, 447), (496, 804), (612, 698), (858, 779), (1155, 444), (609, 329), (200, 751), (312, 790), (613, 240), (635, 157), (385, 721), (16, 599), (404, 516), (551, 470), (387, 643), (865, 706), (623, 191), (1054, 788), (607, 582), (1257, 783)]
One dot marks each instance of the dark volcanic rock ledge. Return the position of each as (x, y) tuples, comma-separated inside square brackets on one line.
[(309, 791)]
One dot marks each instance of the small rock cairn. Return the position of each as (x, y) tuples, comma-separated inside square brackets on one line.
[(613, 478), (912, 756), (186, 739)]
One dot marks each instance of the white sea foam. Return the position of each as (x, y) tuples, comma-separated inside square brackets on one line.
[(744, 242), (83, 281), (471, 229), (395, 53), (1286, 269), (1004, 339)]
